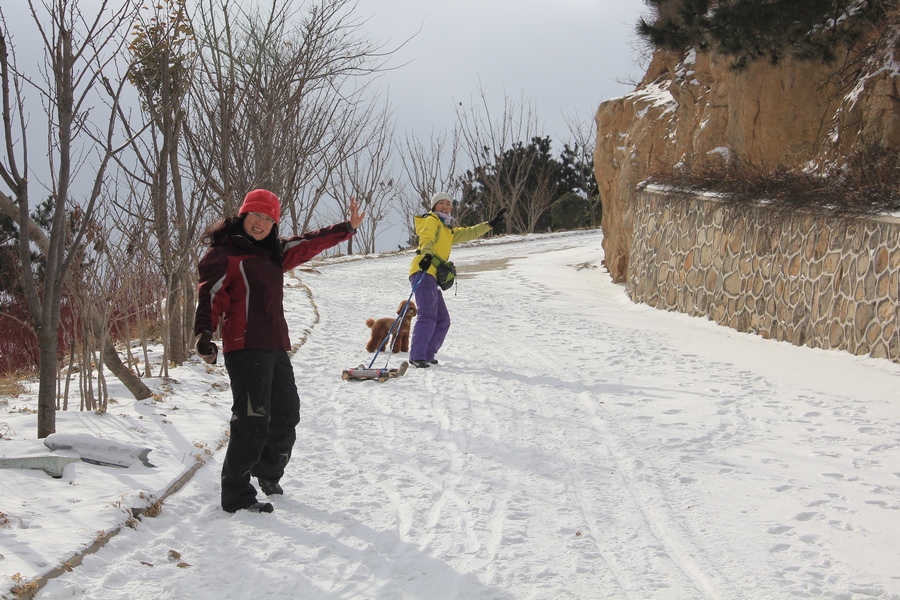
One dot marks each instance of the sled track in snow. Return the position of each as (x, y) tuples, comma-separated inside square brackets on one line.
[(641, 486)]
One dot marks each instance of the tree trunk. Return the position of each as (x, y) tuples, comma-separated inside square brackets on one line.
[(177, 353), (178, 347), (47, 343), (113, 361)]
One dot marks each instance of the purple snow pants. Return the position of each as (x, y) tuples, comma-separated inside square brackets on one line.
[(432, 320)]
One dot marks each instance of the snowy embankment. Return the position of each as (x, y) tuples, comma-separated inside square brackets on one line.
[(570, 444)]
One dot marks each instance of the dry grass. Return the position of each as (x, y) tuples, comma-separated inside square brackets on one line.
[(867, 184), (11, 385)]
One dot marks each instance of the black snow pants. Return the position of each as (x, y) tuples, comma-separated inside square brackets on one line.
[(264, 418)]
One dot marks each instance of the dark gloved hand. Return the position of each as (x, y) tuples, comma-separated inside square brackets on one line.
[(205, 348), (425, 262), (498, 218)]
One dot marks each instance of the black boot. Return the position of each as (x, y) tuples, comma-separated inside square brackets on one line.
[(270, 487), (256, 507), (260, 507), (420, 364)]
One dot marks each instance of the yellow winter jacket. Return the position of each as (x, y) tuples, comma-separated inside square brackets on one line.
[(435, 238)]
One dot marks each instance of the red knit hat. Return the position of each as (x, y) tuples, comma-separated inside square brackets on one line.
[(261, 201)]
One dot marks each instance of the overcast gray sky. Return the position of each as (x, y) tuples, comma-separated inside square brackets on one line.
[(564, 56)]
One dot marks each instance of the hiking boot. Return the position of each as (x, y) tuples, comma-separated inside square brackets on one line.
[(260, 507), (433, 361), (420, 364), (270, 487), (256, 507)]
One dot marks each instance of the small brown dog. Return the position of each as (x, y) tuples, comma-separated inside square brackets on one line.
[(399, 337)]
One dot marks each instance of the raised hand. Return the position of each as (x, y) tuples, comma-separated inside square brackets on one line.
[(356, 218), (498, 218)]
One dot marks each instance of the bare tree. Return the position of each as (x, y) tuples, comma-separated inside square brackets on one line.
[(272, 90), (491, 143), (539, 195), (367, 176), (79, 51), (161, 50), (582, 141), (430, 167), (132, 256), (346, 126)]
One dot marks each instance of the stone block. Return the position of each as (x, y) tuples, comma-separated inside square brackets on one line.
[(732, 284), (882, 260), (51, 465)]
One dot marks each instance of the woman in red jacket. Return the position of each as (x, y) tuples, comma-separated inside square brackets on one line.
[(242, 287)]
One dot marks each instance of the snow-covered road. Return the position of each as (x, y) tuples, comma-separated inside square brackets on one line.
[(570, 444)]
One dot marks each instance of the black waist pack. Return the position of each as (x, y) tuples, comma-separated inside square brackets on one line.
[(446, 275)]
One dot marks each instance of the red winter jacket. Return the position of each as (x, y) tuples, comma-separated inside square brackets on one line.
[(241, 285)]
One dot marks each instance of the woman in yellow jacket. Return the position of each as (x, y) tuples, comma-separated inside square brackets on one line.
[(436, 236)]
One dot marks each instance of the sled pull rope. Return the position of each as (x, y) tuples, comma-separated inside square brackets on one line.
[(396, 324)]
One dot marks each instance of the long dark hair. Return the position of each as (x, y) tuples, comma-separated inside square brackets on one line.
[(233, 226)]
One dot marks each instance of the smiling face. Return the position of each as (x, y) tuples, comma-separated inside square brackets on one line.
[(258, 225), (443, 206)]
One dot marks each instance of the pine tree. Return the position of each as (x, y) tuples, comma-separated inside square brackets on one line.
[(679, 24), (751, 30)]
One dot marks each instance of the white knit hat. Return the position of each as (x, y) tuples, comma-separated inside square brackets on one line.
[(440, 196)]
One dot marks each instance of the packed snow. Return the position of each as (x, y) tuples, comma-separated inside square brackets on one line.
[(570, 444)]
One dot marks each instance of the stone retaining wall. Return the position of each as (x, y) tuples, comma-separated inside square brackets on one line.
[(809, 280)]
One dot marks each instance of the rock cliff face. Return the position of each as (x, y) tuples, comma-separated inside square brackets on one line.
[(693, 106)]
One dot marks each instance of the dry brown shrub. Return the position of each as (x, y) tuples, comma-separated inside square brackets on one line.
[(11, 386), (867, 183)]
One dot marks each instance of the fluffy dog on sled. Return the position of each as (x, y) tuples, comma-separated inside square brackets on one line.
[(399, 336)]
